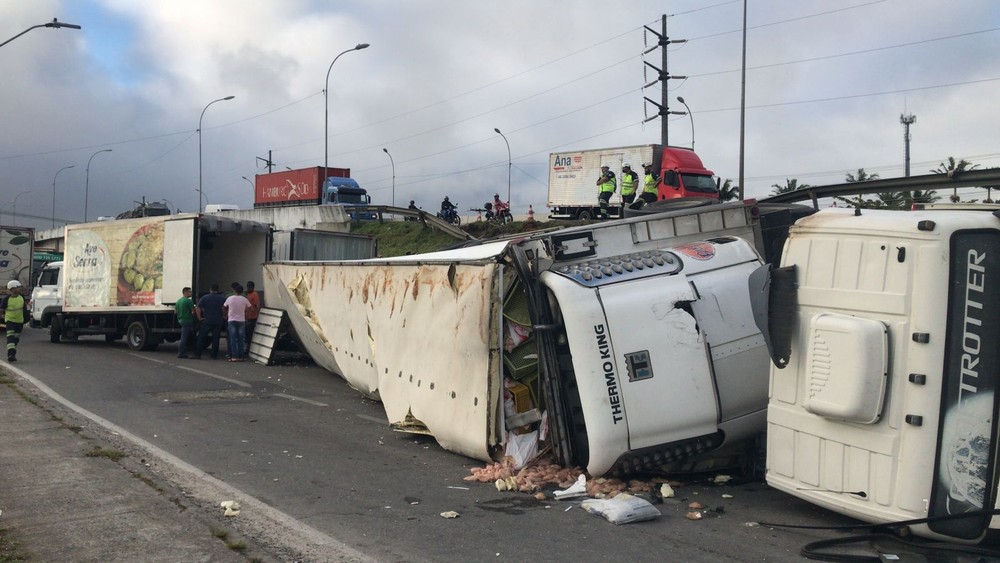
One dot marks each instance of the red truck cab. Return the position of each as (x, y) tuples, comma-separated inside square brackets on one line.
[(683, 175)]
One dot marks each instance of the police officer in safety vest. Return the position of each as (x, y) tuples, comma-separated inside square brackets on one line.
[(649, 184), (629, 182), (606, 187), (14, 309)]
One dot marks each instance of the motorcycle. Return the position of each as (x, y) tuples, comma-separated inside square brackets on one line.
[(499, 213), (450, 215)]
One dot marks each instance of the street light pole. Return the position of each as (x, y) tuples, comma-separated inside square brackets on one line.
[(199, 146), (690, 115), (326, 114), (497, 129), (54, 23), (386, 151), (252, 186), (54, 193), (86, 189), (13, 213)]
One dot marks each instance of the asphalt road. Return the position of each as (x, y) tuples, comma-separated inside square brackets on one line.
[(300, 440)]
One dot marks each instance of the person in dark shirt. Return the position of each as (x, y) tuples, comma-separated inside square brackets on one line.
[(209, 312)]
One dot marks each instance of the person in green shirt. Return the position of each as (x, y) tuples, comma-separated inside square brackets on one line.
[(13, 308), (185, 317)]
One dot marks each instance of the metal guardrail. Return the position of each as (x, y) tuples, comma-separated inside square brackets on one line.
[(965, 179), (425, 217)]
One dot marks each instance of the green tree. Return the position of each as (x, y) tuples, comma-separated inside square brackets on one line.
[(863, 176), (951, 168), (728, 191), (790, 186)]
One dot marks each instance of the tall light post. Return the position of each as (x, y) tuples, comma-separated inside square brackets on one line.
[(54, 23), (86, 189), (54, 193), (326, 114), (386, 151), (13, 213), (690, 115), (253, 188), (200, 209), (497, 129)]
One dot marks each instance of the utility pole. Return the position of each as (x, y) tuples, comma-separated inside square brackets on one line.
[(662, 76), (267, 161), (907, 119)]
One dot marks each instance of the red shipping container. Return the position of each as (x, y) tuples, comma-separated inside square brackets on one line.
[(293, 187)]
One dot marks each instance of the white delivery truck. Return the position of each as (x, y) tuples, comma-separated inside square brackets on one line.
[(122, 278), (16, 256), (626, 346), (573, 177), (883, 328)]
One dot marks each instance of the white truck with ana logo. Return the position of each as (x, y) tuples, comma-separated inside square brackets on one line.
[(626, 346)]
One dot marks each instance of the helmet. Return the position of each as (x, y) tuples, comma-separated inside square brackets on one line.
[(446, 198), (626, 165), (646, 165), (13, 283), (411, 202), (496, 196)]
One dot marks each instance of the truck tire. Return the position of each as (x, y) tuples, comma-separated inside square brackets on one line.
[(669, 205), (55, 328), (138, 337), (585, 215)]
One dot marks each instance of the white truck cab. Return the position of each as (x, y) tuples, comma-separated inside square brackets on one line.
[(884, 329), (46, 297)]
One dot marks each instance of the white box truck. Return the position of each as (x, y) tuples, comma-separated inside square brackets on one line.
[(626, 346), (16, 256), (573, 177), (122, 278)]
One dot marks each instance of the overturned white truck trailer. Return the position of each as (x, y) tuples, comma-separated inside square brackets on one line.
[(626, 346)]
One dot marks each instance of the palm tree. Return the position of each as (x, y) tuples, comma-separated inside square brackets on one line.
[(790, 186), (863, 176), (951, 168), (728, 191)]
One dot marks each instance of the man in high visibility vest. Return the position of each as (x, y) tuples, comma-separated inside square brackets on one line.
[(14, 308), (629, 182), (606, 187), (649, 184)]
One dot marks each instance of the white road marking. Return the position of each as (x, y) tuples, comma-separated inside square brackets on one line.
[(294, 398)]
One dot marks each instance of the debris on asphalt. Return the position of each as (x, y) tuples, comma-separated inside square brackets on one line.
[(693, 515), (232, 508), (666, 491), (449, 514), (578, 489), (622, 509), (722, 479), (696, 505)]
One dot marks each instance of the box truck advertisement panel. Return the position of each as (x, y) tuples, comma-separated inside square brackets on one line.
[(293, 187)]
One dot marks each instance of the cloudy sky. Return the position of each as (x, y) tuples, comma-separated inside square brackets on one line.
[(826, 84)]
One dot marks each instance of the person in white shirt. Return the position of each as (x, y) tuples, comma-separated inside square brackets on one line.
[(235, 309)]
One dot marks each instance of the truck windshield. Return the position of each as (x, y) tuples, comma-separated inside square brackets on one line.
[(343, 197), (699, 183)]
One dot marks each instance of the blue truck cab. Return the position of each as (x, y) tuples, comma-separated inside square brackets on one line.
[(347, 192)]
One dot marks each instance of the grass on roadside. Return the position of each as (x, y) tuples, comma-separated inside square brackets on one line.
[(9, 550)]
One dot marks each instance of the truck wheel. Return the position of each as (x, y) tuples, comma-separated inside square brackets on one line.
[(668, 205), (55, 327), (137, 336), (585, 215), (33, 323)]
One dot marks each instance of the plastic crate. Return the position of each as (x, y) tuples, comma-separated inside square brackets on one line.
[(515, 305), (522, 360)]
